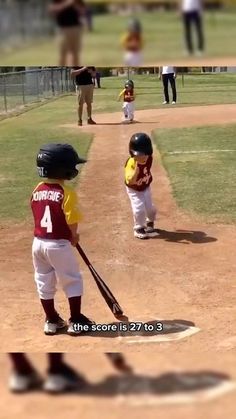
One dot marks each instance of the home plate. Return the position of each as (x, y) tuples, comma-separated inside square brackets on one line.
[(148, 398), (163, 331)]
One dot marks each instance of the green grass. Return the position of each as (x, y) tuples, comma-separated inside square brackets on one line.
[(163, 33), (202, 183), (20, 139), (197, 90)]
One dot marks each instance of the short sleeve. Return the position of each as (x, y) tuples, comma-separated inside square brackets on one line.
[(70, 206)]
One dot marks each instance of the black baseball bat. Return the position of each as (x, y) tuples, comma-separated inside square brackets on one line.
[(103, 288)]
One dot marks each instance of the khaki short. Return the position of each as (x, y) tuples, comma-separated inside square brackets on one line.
[(85, 94), (70, 40)]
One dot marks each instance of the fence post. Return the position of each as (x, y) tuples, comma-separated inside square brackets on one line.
[(5, 92), (52, 82), (62, 87), (37, 84), (23, 87)]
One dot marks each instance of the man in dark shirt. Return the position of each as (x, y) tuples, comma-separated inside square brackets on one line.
[(67, 14), (84, 87)]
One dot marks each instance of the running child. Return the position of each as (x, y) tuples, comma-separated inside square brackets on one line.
[(138, 178)]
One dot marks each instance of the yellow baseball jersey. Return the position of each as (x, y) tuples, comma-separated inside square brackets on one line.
[(132, 42), (54, 207), (144, 177)]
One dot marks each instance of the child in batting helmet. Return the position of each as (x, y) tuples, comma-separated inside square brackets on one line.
[(138, 179), (128, 101), (56, 215), (132, 42)]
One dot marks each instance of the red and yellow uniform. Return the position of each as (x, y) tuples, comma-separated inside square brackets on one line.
[(144, 176), (132, 42), (128, 95), (54, 207)]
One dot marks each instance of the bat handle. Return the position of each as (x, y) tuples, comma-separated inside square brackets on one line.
[(82, 254)]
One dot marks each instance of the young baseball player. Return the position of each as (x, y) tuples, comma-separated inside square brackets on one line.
[(138, 178), (132, 42), (60, 376), (128, 96), (56, 216)]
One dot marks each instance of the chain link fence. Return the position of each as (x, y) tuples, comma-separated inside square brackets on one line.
[(23, 20), (21, 88)]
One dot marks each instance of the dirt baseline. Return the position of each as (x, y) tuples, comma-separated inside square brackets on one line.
[(184, 276)]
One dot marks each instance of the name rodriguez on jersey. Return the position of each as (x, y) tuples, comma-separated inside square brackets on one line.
[(47, 196)]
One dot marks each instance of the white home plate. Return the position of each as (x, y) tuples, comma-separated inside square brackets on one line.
[(172, 330), (145, 391)]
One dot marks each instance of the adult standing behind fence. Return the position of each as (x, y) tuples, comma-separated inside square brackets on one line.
[(68, 15), (168, 75), (191, 11), (84, 87)]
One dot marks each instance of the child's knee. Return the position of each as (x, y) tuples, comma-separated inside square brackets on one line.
[(73, 286)]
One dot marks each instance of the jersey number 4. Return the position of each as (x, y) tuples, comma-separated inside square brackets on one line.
[(46, 221)]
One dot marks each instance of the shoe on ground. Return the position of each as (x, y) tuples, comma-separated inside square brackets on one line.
[(140, 233), (80, 122), (65, 379), (20, 383), (173, 102), (150, 229), (76, 328), (91, 121), (51, 328), (165, 103)]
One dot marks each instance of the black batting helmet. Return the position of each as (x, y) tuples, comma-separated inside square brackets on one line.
[(134, 25), (58, 161), (129, 83), (140, 144)]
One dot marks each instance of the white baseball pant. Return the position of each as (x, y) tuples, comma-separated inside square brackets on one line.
[(133, 58), (55, 262), (128, 109), (142, 207)]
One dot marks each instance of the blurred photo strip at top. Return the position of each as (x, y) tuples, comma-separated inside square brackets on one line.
[(117, 32)]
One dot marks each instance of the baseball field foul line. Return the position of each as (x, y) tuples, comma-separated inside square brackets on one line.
[(177, 399), (199, 151)]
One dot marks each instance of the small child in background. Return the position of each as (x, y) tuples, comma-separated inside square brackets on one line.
[(128, 101), (138, 178), (132, 42)]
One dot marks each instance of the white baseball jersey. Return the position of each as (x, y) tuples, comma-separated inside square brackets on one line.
[(167, 69), (191, 5)]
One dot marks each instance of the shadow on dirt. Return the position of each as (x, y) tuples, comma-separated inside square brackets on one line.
[(137, 328), (184, 236), (136, 384)]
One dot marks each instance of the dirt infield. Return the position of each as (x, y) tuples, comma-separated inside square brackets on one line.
[(157, 386), (184, 278), (186, 274)]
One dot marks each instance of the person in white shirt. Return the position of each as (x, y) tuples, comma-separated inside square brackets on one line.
[(191, 11), (168, 75)]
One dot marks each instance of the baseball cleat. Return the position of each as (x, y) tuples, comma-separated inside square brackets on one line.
[(80, 122), (19, 383), (173, 102), (77, 328), (140, 233), (165, 103), (91, 121), (150, 230), (66, 379), (52, 328)]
